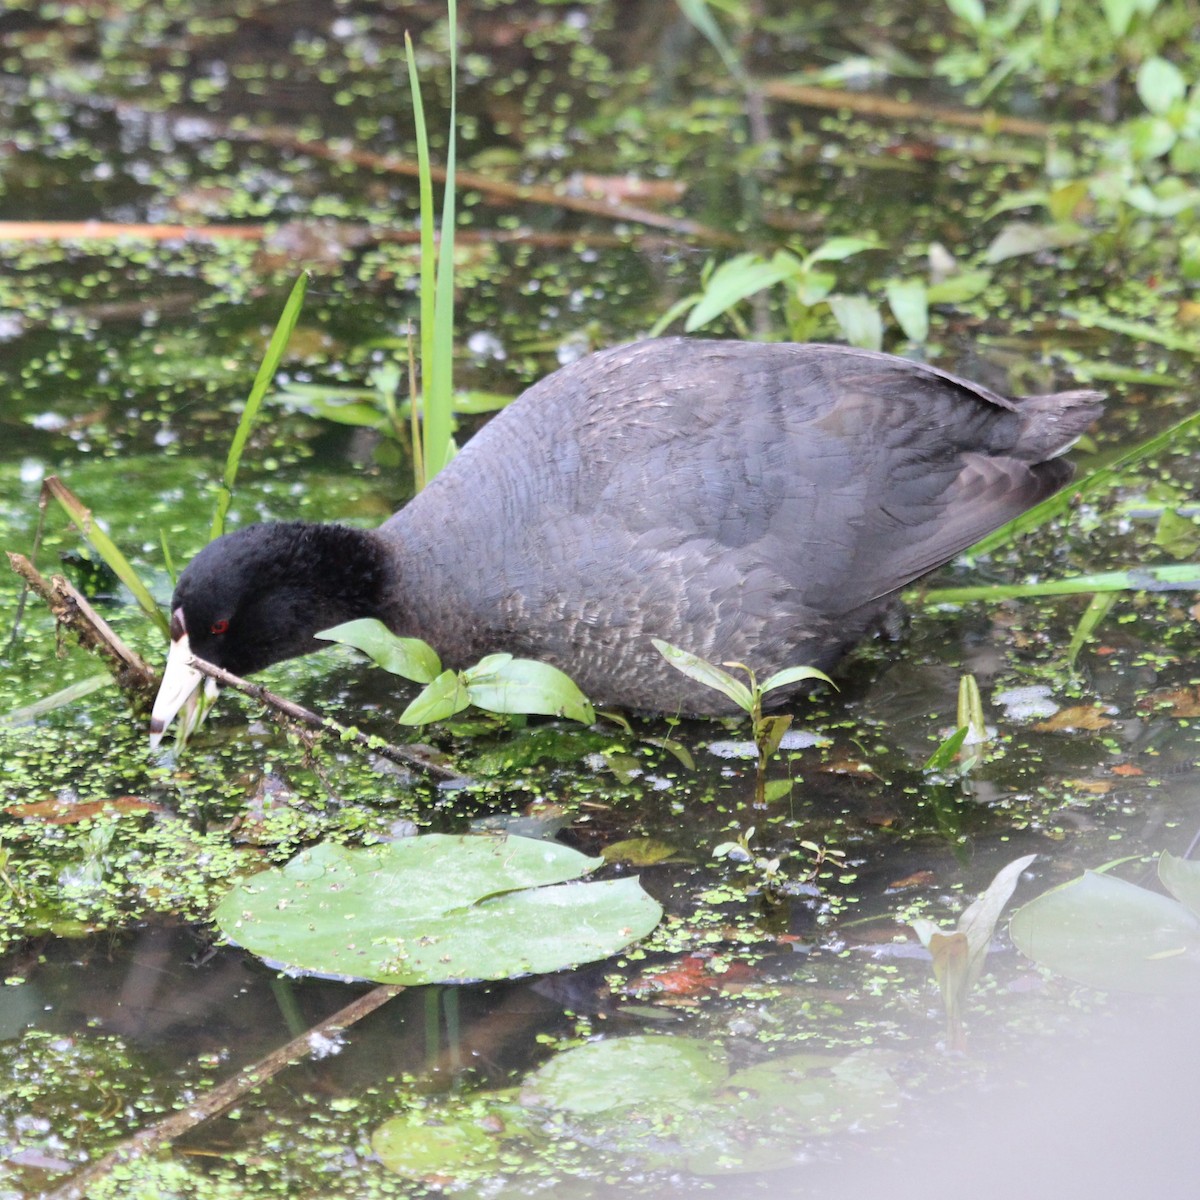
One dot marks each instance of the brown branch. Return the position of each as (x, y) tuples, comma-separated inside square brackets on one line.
[(154, 1137), (492, 190), (72, 611), (871, 104), (409, 756), (107, 231), (140, 681), (349, 235)]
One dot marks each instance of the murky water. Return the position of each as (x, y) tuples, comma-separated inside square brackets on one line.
[(123, 362)]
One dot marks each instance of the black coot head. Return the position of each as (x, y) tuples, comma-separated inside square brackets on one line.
[(257, 597)]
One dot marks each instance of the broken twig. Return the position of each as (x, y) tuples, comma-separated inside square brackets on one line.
[(72, 611), (213, 1103), (409, 756)]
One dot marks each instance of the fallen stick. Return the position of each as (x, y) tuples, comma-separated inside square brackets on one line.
[(140, 681), (409, 756), (212, 1103), (352, 236), (72, 611), (871, 104)]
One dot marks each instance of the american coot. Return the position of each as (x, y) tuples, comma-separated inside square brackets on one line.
[(750, 503)]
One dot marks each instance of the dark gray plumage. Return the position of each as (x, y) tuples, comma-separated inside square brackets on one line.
[(752, 503)]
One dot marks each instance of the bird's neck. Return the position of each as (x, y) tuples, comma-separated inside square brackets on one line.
[(345, 570)]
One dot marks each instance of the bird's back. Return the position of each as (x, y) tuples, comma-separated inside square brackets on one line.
[(754, 503)]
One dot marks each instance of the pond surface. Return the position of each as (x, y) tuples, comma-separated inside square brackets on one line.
[(282, 135)]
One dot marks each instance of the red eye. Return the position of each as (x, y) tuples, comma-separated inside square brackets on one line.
[(220, 626)]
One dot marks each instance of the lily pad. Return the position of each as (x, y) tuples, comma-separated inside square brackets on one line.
[(670, 1102), (641, 1070), (1181, 877), (1109, 934), (436, 909), (455, 1141), (422, 1151)]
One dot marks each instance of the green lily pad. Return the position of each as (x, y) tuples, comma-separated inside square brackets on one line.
[(642, 1070), (436, 909), (460, 1141), (670, 1102), (421, 1151), (1181, 877), (1109, 934)]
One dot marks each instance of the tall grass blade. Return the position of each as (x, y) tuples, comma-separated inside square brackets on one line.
[(700, 15), (82, 518), (439, 399), (262, 381), (428, 252), (60, 699), (1173, 577), (1096, 481), (1142, 331), (1096, 611), (437, 276)]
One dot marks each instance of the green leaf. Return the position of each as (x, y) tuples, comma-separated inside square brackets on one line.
[(1160, 85), (503, 684), (669, 1102), (1098, 608), (700, 15), (837, 249), (643, 1069), (970, 708), (859, 320), (776, 789), (978, 921), (1020, 238), (811, 287), (262, 381), (673, 314), (737, 279), (437, 273), (436, 909), (909, 302), (471, 403), (63, 698), (1171, 339), (1177, 535), (410, 658), (1113, 935), (958, 288), (1033, 198), (444, 1150), (461, 1140), (444, 697), (768, 733), (120, 566), (1173, 577), (969, 11), (1181, 877), (1064, 201), (1171, 204), (791, 675), (945, 756), (1150, 137), (639, 852), (702, 671), (438, 374), (1119, 13)]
